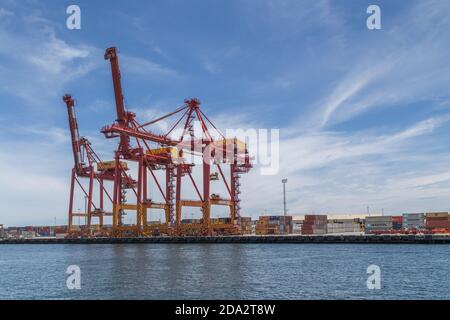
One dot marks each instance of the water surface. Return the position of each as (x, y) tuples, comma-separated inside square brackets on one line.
[(225, 271)]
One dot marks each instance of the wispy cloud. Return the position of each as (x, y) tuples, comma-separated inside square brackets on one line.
[(146, 67), (395, 70), (42, 62)]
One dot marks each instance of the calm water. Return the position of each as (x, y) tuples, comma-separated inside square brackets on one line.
[(224, 271)]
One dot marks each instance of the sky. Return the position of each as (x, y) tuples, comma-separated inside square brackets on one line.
[(363, 115)]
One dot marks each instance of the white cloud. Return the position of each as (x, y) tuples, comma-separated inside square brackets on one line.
[(53, 134), (146, 67), (41, 64), (34, 179), (407, 64), (350, 87), (55, 55)]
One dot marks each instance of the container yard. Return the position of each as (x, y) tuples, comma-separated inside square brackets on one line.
[(307, 225)]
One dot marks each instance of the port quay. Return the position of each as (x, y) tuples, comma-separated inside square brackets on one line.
[(354, 239)]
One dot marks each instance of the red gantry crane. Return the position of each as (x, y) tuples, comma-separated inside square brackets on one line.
[(87, 165), (155, 152)]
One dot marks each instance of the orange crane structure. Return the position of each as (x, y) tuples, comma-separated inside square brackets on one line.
[(163, 155)]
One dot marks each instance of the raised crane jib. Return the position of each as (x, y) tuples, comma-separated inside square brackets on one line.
[(122, 115), (74, 134)]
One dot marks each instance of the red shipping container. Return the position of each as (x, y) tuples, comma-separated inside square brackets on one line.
[(397, 219), (310, 217), (435, 223)]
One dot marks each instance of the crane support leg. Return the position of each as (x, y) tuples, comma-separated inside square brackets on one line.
[(116, 194), (89, 201), (144, 196), (139, 199), (233, 193), (206, 195), (72, 191), (178, 197)]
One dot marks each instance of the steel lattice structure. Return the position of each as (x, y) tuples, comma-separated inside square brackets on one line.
[(153, 152)]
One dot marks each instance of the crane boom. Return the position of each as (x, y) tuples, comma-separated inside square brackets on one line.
[(122, 118), (74, 133)]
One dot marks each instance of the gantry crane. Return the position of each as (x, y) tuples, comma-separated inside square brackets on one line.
[(87, 165), (154, 152)]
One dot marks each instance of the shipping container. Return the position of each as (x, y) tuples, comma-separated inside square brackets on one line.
[(314, 224), (397, 219), (274, 225), (437, 215), (439, 223), (379, 224), (413, 221)]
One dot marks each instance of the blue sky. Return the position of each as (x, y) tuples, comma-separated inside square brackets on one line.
[(363, 115)]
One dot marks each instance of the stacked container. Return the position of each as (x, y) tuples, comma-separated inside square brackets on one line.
[(27, 234), (437, 220), (315, 224), (246, 225), (13, 232), (2, 232), (154, 222), (397, 222), (44, 231), (378, 224), (343, 225), (189, 221), (225, 220), (274, 225), (261, 226), (413, 221), (297, 226), (285, 224), (60, 231)]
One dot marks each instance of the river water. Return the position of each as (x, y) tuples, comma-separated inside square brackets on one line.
[(225, 271)]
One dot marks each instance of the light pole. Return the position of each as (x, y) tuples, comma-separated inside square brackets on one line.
[(284, 195)]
